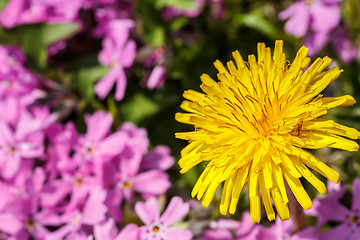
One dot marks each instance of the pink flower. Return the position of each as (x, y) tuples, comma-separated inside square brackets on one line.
[(343, 46), (349, 220), (108, 230), (156, 78), (124, 178), (23, 142), (79, 219), (158, 158), (322, 205), (315, 15), (222, 229), (97, 145), (172, 12), (118, 53), (158, 227)]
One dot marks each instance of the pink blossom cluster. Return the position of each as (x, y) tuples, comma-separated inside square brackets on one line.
[(319, 22), (57, 183)]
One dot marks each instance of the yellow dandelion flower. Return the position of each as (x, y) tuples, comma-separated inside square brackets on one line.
[(251, 127)]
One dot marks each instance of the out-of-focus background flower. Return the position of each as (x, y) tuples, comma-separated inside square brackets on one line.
[(88, 94)]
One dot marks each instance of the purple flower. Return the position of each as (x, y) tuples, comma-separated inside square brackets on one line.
[(226, 229), (23, 142), (79, 219), (22, 218), (158, 227), (108, 230), (349, 220), (322, 205), (156, 78), (124, 177), (315, 15), (343, 46), (172, 12), (158, 158), (19, 12), (118, 53), (97, 145), (316, 41)]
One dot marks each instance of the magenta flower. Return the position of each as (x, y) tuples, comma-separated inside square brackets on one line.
[(316, 15), (316, 41), (19, 12), (97, 145), (343, 46), (20, 216), (349, 220), (156, 78), (108, 230), (158, 227), (23, 142), (118, 53), (322, 205), (172, 12), (158, 158), (223, 229), (124, 178), (78, 220)]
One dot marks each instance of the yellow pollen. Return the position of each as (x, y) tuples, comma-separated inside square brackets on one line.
[(78, 181), (90, 150), (128, 184), (309, 2), (12, 150), (30, 224), (156, 229), (353, 219)]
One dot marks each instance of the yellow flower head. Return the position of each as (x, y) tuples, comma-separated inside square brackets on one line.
[(251, 127)]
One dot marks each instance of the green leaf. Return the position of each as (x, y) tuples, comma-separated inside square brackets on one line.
[(259, 23), (86, 77), (3, 3), (182, 4), (139, 107), (35, 39)]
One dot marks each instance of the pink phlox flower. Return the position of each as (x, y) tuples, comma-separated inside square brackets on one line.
[(98, 145), (315, 15), (104, 17), (156, 78), (108, 230), (11, 58), (316, 41), (343, 46), (137, 137), (322, 205), (62, 139), (23, 216), (118, 53), (158, 227), (75, 186), (124, 178), (158, 158), (24, 141), (77, 221), (18, 12), (284, 230), (169, 13), (349, 220), (59, 11)]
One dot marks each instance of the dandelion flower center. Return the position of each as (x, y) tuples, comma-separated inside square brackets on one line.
[(251, 127)]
